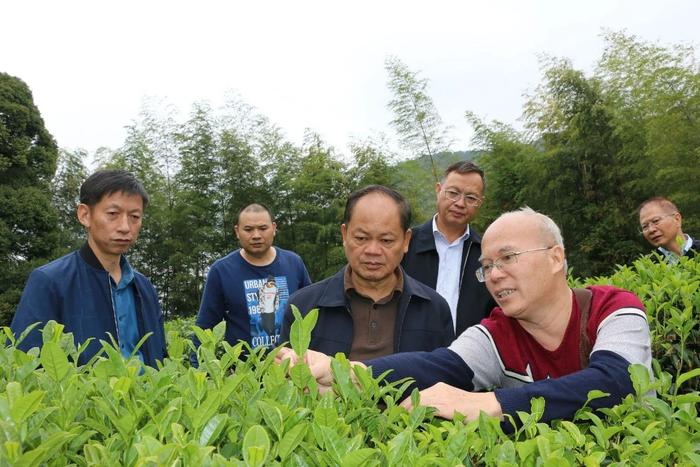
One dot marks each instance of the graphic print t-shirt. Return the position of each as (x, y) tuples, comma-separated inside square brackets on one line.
[(251, 299), (265, 302)]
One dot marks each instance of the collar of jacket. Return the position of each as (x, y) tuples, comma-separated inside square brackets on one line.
[(89, 257), (334, 289), (424, 240)]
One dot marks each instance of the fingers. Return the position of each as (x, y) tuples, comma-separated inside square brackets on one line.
[(320, 366), (285, 353)]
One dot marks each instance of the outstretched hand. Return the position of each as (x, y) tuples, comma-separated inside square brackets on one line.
[(319, 364), (449, 399)]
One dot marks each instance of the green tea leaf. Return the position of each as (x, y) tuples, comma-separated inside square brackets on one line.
[(256, 446), (213, 429), (640, 378), (291, 439), (46, 450), (25, 405), (272, 417), (300, 331), (207, 409), (688, 375), (359, 457)]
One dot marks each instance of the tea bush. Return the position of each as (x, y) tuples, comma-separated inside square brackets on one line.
[(233, 411), (671, 295)]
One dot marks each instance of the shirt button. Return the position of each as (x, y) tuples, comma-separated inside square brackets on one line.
[(373, 324)]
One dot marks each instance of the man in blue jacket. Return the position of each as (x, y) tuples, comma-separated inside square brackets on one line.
[(94, 291), (371, 307)]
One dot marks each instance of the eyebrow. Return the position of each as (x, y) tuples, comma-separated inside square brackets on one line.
[(502, 250), (468, 192)]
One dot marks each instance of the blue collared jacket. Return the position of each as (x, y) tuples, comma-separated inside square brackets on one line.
[(75, 290)]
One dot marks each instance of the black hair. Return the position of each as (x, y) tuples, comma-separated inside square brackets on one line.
[(465, 167), (404, 208), (254, 207), (106, 182)]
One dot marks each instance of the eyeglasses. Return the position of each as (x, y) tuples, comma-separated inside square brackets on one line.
[(653, 223), (469, 200), (504, 260)]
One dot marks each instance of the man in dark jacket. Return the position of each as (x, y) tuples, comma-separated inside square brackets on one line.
[(371, 307), (444, 252), (94, 291)]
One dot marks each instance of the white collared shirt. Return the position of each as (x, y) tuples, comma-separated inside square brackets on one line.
[(449, 268), (671, 256)]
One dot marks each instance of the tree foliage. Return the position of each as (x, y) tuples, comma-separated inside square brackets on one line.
[(65, 188), (28, 220), (416, 119), (594, 146), (597, 146)]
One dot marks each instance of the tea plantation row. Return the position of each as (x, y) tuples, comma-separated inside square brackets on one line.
[(114, 412)]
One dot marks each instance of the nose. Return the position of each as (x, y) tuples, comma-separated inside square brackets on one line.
[(373, 248), (123, 224), (495, 275), (461, 201)]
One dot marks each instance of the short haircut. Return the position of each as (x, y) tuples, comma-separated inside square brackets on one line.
[(665, 203), (254, 207), (548, 228), (465, 167), (404, 208), (106, 182)]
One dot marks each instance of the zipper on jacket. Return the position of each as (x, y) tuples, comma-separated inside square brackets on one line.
[(464, 269), (114, 312)]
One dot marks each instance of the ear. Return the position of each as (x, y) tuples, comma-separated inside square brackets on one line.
[(407, 240), (558, 258), (235, 231), (438, 187), (274, 229), (343, 232), (83, 213)]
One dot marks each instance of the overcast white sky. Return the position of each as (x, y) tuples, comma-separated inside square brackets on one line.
[(304, 64)]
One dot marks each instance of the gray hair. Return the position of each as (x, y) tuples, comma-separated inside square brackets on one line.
[(548, 228)]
